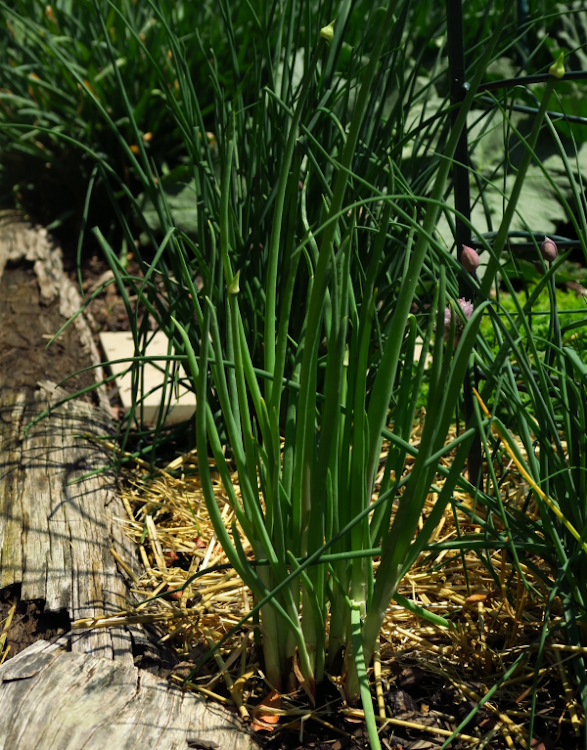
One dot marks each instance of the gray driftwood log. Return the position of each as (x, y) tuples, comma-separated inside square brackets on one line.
[(82, 691), (51, 700)]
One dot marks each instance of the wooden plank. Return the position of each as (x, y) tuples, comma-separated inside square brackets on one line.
[(50, 700)]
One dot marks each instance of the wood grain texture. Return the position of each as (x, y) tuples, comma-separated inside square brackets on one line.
[(52, 700), (56, 532)]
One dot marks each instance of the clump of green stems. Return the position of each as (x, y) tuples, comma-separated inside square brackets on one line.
[(316, 239), (317, 487)]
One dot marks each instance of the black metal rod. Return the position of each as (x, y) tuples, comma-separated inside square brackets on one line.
[(456, 67), (573, 75), (577, 119), (522, 22), (458, 89)]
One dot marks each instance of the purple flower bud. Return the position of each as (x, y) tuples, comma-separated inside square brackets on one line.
[(548, 250), (469, 259)]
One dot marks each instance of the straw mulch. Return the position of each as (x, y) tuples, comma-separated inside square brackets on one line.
[(425, 678)]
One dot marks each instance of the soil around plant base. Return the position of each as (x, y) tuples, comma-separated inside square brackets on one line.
[(27, 323)]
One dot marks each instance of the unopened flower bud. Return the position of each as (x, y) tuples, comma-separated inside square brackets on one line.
[(469, 259), (548, 250), (327, 32), (557, 69)]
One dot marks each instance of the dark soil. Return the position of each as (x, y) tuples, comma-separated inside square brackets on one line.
[(27, 323), (107, 310), (30, 622), (415, 694)]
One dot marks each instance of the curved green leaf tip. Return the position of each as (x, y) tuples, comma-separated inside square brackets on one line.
[(234, 287), (327, 32), (557, 69)]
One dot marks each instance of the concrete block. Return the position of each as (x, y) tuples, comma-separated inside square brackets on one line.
[(119, 345)]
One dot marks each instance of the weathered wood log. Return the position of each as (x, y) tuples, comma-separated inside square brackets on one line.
[(51, 700)]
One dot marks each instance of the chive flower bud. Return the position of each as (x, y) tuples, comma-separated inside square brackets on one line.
[(557, 69), (469, 259), (327, 32), (467, 307), (548, 250)]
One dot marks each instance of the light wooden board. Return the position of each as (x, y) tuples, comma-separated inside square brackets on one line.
[(51, 700), (119, 345)]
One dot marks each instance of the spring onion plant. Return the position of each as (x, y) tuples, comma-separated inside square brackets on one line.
[(307, 458)]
